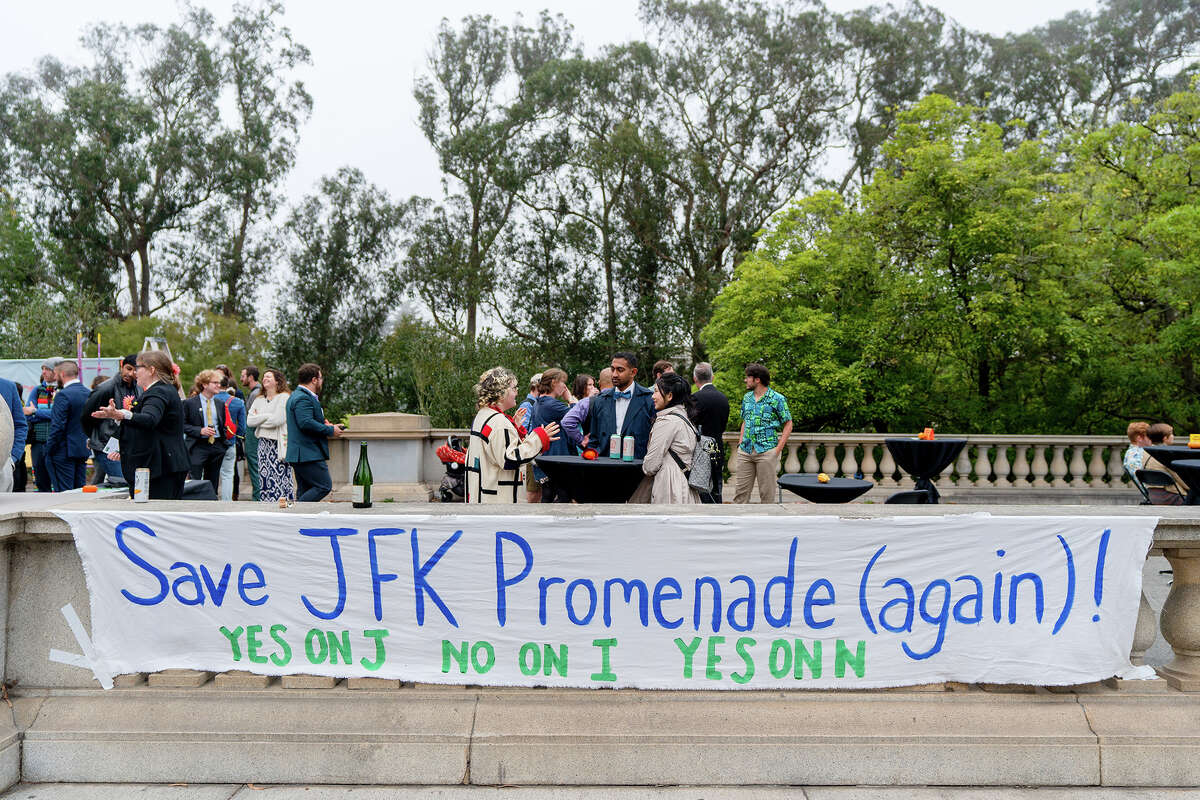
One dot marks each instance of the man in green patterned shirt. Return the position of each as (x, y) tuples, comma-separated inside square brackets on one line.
[(766, 426)]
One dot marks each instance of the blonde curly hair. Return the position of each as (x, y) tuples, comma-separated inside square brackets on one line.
[(492, 386)]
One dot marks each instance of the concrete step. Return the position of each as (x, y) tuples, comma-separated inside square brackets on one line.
[(109, 791), (494, 737)]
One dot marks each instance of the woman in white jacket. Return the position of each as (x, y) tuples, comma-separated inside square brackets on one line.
[(672, 432), (499, 449), (268, 417)]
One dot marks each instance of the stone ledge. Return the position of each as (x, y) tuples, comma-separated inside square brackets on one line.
[(576, 737)]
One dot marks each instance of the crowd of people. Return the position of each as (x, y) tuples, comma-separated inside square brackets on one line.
[(143, 418), (665, 422)]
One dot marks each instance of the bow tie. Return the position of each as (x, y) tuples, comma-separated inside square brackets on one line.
[(627, 395)]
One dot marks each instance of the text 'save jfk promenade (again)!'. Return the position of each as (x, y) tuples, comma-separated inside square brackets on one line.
[(276, 646)]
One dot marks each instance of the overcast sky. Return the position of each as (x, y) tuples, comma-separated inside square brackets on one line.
[(365, 54)]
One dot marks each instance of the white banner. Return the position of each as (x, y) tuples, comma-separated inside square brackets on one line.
[(714, 602)]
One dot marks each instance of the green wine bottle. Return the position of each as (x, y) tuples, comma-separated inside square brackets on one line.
[(362, 479)]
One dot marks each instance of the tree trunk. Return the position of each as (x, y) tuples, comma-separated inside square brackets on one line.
[(608, 284), (143, 251), (135, 309), (236, 267)]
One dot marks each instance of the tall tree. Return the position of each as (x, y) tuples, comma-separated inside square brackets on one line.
[(258, 57), (601, 103), (344, 246), (120, 155), (488, 136), (746, 93)]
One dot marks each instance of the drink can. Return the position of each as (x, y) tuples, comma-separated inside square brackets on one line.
[(141, 485), (614, 446), (627, 446)]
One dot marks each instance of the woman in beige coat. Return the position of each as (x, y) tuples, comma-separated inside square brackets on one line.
[(672, 432)]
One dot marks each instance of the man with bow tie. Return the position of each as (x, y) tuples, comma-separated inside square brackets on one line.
[(627, 409)]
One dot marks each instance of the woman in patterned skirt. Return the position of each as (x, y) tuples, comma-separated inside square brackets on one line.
[(268, 417)]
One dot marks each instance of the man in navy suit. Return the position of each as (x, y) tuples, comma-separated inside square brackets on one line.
[(203, 423), (66, 444), (626, 409), (308, 435)]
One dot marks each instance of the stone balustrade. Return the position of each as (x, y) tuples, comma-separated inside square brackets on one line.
[(987, 461), (990, 468)]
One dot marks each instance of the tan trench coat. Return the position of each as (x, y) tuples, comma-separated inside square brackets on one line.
[(665, 482)]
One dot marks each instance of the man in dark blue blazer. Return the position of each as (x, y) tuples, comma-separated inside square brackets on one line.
[(66, 444), (203, 423), (626, 409), (308, 435)]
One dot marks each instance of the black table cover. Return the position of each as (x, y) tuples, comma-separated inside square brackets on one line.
[(1188, 469), (924, 459), (605, 480), (837, 490), (1167, 454)]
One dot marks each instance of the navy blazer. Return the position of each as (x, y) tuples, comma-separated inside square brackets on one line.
[(308, 435), (193, 423), (66, 439), (602, 419)]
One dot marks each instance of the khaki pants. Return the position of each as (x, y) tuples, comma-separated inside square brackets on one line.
[(760, 467)]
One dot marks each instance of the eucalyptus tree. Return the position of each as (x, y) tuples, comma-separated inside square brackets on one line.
[(343, 246), (489, 137), (601, 105), (1086, 69), (258, 58), (120, 155), (745, 98)]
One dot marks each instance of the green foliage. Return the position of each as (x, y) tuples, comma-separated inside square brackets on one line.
[(1141, 240), (959, 290), (435, 374), (197, 342), (342, 287)]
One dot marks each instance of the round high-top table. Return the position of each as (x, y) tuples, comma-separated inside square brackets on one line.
[(605, 480), (924, 459), (836, 490), (1188, 469)]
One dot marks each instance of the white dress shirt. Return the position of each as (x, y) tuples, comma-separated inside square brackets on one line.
[(622, 405)]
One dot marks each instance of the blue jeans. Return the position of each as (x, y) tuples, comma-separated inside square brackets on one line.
[(228, 465), (99, 466)]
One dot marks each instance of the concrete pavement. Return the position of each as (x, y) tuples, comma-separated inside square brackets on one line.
[(100, 791)]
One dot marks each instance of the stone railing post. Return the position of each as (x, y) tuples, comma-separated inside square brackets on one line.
[(1180, 619), (849, 460), (1001, 466), (1021, 466), (983, 467), (1039, 468), (887, 466), (792, 462), (1096, 467), (830, 464), (963, 467), (1058, 466), (1116, 466), (868, 462), (1144, 633)]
